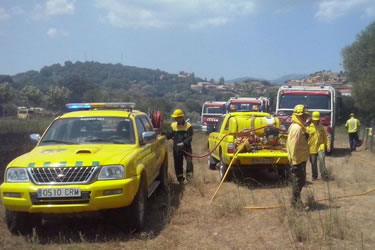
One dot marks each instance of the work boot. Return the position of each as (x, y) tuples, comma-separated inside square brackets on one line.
[(298, 205)]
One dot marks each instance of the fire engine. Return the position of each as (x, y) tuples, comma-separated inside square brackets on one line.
[(316, 98), (236, 104), (211, 112)]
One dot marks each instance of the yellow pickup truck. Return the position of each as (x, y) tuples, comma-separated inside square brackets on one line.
[(264, 145), (99, 156)]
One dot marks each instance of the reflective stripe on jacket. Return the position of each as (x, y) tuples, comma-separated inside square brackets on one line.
[(352, 125), (317, 138), (297, 147), (181, 133)]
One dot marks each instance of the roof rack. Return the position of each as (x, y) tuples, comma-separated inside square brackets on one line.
[(101, 105)]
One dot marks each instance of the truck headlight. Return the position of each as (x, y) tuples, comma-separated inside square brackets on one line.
[(112, 172), (17, 175)]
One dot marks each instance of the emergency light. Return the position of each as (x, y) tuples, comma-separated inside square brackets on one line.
[(101, 105)]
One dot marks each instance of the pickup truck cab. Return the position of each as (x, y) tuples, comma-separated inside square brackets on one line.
[(101, 156), (264, 144)]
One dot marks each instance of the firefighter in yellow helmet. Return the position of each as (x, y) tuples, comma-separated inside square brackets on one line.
[(353, 126), (298, 152), (181, 132), (317, 145)]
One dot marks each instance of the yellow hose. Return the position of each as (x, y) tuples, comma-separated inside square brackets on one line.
[(226, 172)]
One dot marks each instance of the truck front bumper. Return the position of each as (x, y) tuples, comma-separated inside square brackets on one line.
[(96, 196)]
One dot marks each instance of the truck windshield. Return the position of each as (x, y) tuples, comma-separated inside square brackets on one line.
[(90, 130), (311, 101), (242, 107), (213, 110)]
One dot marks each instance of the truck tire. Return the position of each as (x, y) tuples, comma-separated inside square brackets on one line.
[(222, 169), (20, 222), (163, 175), (139, 206), (211, 163)]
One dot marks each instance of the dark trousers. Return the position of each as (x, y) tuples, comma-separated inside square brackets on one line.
[(178, 156), (298, 178), (353, 140), (314, 158)]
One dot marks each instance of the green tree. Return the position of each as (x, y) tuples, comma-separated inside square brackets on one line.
[(359, 63), (6, 92), (32, 95), (95, 95), (192, 106), (57, 98)]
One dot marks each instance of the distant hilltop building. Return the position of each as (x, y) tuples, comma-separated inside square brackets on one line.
[(183, 74), (336, 80)]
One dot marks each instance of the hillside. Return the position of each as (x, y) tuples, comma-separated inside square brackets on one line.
[(282, 79)]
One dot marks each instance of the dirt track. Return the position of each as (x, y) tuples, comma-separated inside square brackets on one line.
[(186, 220)]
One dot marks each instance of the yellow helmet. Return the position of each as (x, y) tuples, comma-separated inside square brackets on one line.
[(177, 113), (315, 116), (255, 108), (351, 114), (300, 109)]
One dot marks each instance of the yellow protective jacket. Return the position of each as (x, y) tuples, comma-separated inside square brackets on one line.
[(317, 138), (297, 147), (352, 125), (181, 133)]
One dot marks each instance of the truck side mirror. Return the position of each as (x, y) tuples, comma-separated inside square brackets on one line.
[(35, 138), (211, 129), (148, 137)]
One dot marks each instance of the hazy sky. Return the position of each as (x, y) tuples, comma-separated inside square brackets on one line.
[(212, 38)]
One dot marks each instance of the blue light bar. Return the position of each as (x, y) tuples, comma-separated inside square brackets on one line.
[(77, 106), (101, 105)]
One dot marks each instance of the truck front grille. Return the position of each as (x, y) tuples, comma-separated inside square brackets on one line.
[(62, 175)]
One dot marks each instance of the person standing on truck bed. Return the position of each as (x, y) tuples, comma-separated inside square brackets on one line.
[(317, 144), (353, 126), (298, 152), (181, 132)]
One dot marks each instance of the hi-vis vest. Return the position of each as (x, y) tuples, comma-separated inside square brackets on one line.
[(352, 125), (181, 133)]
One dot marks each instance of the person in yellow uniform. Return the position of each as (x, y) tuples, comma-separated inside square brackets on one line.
[(298, 152), (317, 145), (181, 132), (353, 126)]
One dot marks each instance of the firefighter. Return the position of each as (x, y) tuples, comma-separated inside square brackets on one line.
[(353, 126), (182, 134), (298, 152), (317, 145)]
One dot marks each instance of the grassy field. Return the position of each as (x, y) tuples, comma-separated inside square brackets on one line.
[(185, 219)]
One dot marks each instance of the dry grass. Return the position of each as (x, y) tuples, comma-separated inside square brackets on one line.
[(185, 219)]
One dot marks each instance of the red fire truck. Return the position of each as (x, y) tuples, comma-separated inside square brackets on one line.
[(211, 112), (248, 104), (316, 98)]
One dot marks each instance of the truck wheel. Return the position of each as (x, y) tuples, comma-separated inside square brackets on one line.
[(21, 223), (211, 163), (163, 175), (138, 207), (222, 169)]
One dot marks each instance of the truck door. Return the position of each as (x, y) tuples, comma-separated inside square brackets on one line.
[(146, 156)]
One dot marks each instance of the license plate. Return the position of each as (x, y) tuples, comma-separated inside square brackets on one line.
[(263, 160), (58, 192)]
